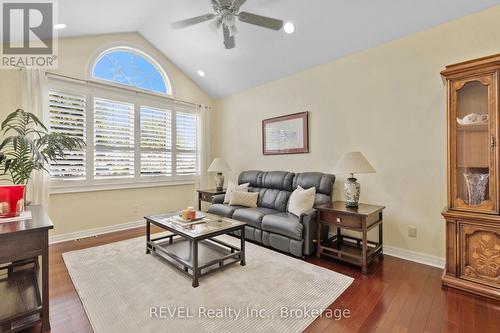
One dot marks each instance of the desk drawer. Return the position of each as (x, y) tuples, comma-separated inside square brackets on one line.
[(341, 220), (206, 197), (22, 246)]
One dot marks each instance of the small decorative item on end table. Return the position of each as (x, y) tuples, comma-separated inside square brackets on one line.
[(219, 166), (207, 195), (351, 163), (357, 251)]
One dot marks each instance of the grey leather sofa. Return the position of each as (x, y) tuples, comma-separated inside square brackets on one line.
[(270, 223)]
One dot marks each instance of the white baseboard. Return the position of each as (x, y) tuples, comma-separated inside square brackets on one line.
[(421, 258), (94, 232), (405, 254)]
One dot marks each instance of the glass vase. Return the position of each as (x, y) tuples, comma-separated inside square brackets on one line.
[(476, 187)]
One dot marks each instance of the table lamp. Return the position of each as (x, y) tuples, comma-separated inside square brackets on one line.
[(351, 163), (219, 166)]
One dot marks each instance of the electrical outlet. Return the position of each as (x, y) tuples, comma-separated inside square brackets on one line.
[(136, 208), (412, 231)]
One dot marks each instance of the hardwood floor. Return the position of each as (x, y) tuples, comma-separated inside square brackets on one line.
[(396, 296)]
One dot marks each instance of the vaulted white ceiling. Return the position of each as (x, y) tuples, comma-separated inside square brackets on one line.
[(325, 30)]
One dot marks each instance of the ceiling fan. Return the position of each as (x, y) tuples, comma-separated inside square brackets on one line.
[(226, 12)]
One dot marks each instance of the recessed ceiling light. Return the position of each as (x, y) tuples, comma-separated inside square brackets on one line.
[(60, 26), (289, 28), (201, 73)]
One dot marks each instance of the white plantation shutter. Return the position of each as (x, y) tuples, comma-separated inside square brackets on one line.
[(131, 138), (156, 142), (113, 139), (67, 115), (186, 144)]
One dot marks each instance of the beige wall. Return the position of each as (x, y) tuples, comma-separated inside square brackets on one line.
[(389, 103), (89, 210)]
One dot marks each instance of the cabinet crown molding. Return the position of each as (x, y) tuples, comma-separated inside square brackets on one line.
[(484, 64)]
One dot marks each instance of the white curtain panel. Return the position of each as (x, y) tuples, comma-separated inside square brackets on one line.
[(205, 147), (34, 89)]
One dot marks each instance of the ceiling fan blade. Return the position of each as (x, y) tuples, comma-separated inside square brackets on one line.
[(237, 4), (261, 21), (192, 21), (228, 38)]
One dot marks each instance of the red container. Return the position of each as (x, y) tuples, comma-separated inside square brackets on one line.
[(11, 200)]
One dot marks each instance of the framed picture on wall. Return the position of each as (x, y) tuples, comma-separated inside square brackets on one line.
[(286, 134)]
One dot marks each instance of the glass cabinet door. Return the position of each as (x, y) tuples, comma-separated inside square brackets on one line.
[(473, 133)]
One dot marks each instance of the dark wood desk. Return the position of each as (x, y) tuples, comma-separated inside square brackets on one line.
[(24, 291), (207, 195), (358, 251)]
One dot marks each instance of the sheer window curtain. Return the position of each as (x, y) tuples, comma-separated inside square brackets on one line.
[(34, 89), (205, 147)]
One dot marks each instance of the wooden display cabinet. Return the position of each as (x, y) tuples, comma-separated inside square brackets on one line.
[(472, 215)]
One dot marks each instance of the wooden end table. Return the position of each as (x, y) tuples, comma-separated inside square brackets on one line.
[(207, 195), (357, 251)]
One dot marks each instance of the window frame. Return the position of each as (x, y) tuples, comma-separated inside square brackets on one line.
[(92, 90), (131, 49)]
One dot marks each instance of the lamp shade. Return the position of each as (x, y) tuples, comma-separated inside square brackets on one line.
[(218, 165), (353, 162)]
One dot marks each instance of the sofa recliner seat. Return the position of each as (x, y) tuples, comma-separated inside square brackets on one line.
[(253, 216), (223, 210), (270, 223), (285, 224)]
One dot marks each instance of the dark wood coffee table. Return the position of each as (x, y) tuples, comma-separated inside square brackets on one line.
[(194, 250)]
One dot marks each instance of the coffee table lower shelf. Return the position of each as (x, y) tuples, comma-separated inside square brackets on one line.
[(212, 254)]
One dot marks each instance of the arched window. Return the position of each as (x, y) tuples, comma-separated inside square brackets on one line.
[(133, 68)]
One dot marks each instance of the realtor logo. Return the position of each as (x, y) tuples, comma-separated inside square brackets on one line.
[(27, 34)]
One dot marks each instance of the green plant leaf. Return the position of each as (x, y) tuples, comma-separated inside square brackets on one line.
[(32, 147)]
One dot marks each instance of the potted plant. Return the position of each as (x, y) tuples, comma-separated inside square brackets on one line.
[(27, 146)]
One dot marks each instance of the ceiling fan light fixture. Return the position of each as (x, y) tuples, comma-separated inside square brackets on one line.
[(225, 14), (229, 19), (289, 27), (216, 24), (232, 30)]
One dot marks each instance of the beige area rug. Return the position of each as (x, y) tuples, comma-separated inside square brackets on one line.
[(124, 290)]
